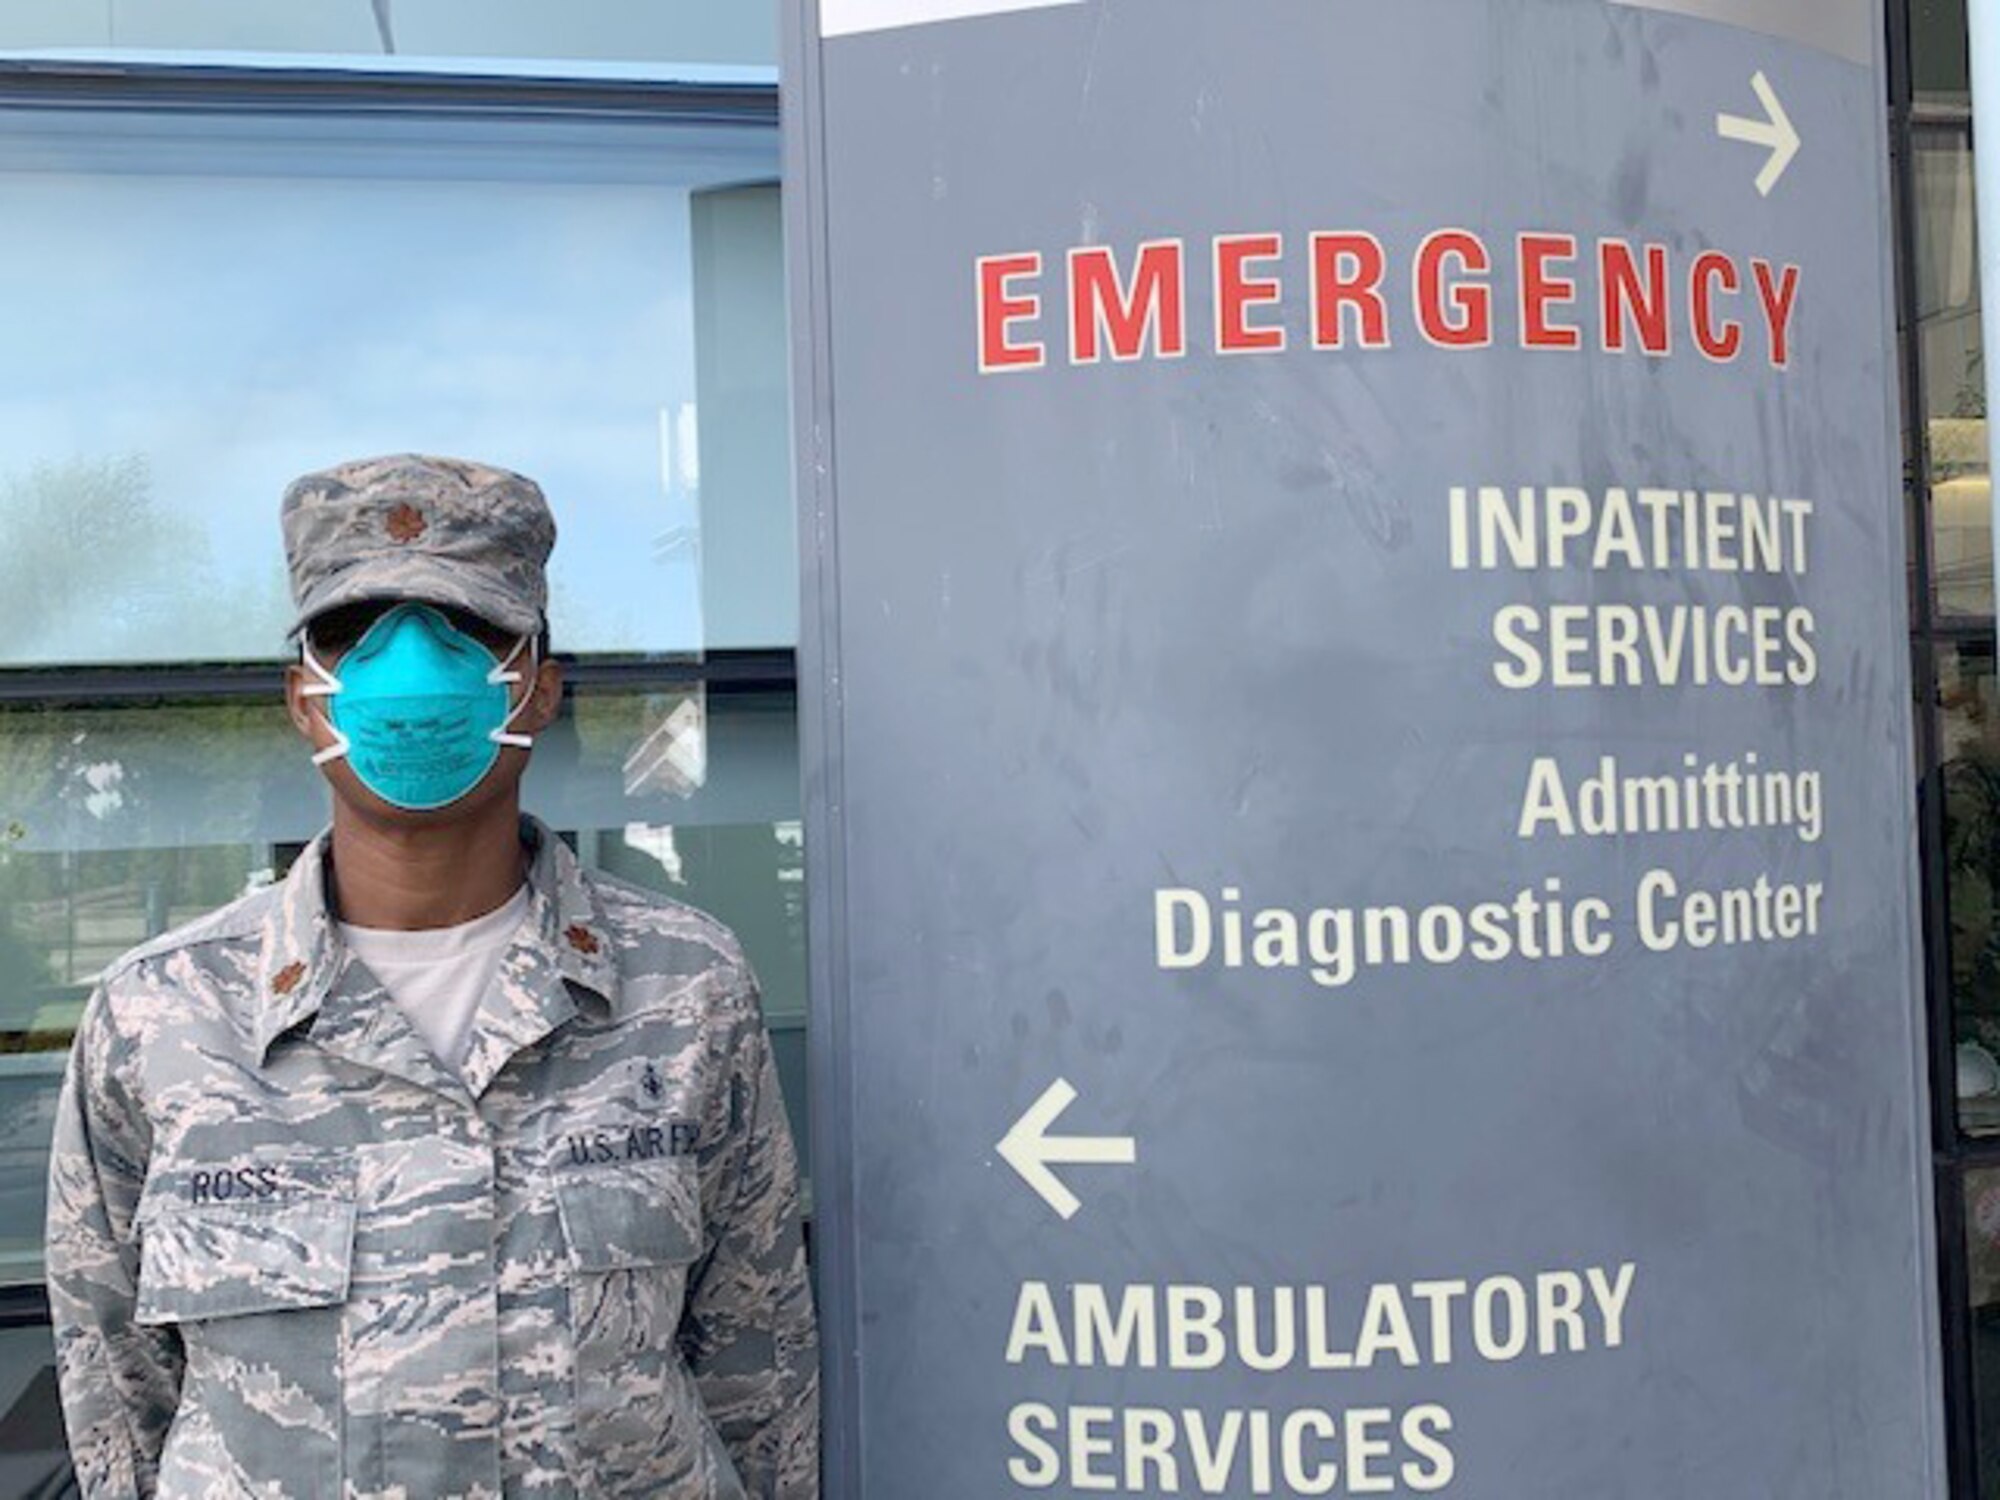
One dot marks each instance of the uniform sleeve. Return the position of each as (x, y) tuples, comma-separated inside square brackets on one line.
[(120, 1382), (748, 1333)]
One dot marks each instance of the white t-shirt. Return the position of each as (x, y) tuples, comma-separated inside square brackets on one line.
[(438, 975)]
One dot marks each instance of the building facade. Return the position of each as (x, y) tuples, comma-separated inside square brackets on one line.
[(246, 241)]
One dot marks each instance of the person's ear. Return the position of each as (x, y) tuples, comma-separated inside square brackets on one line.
[(544, 701), (310, 725)]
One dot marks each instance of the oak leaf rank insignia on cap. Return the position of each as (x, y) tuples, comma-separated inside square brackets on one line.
[(410, 526), (405, 524)]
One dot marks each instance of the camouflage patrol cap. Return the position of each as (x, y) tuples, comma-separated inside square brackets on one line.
[(409, 526)]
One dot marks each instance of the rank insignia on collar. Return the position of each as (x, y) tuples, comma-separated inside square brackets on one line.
[(650, 1082)]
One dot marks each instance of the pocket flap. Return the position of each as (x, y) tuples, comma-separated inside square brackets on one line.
[(222, 1261), (615, 1218)]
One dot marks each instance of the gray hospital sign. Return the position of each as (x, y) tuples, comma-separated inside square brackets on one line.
[(1358, 789)]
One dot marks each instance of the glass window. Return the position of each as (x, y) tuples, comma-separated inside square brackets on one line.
[(214, 301), (1938, 63), (223, 302), (742, 363), (34, 1463), (117, 824), (1982, 1249), (1946, 279), (1969, 776), (458, 34)]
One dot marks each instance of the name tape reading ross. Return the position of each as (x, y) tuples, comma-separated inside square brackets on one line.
[(847, 17)]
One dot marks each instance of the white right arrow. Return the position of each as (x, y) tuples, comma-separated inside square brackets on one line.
[(1029, 1148), (1774, 132)]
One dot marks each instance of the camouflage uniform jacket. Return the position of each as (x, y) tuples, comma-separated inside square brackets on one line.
[(290, 1254)]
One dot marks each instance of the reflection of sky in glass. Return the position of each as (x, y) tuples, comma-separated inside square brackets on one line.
[(202, 312), (646, 32)]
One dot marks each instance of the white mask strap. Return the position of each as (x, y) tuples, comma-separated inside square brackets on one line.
[(325, 687), (502, 672)]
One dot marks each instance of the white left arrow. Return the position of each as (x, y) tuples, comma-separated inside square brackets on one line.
[(1774, 132), (1031, 1150)]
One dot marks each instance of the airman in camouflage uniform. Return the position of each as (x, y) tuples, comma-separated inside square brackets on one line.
[(293, 1254)]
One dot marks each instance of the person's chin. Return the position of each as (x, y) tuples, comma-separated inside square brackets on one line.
[(376, 809)]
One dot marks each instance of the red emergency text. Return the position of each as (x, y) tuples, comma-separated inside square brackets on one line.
[(1344, 291)]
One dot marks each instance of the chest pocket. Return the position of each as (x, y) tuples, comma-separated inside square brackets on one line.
[(633, 1233), (198, 1264), (622, 1217), (255, 1291)]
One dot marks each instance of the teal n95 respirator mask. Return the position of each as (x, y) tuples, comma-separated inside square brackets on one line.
[(419, 708)]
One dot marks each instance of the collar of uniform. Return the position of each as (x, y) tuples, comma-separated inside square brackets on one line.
[(301, 952), (301, 956), (568, 921), (557, 964)]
